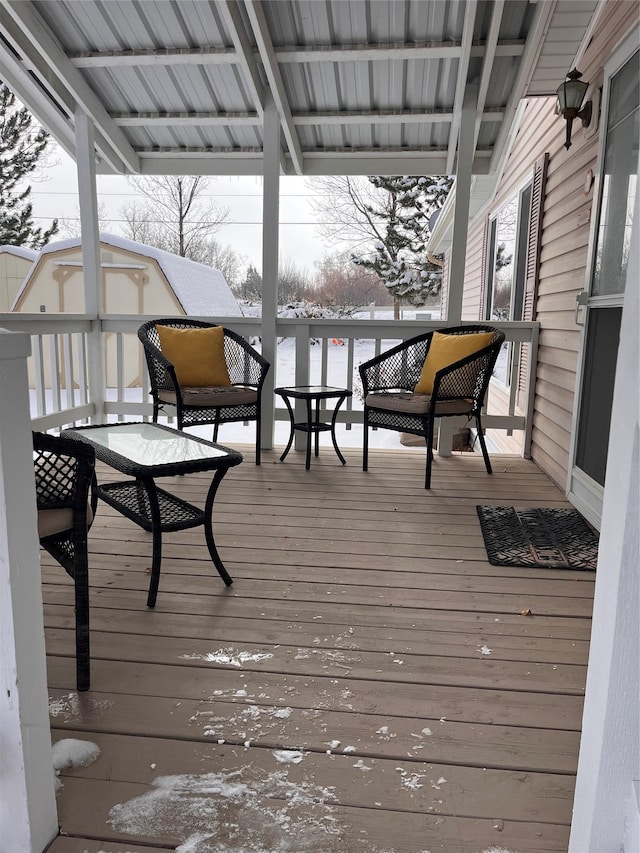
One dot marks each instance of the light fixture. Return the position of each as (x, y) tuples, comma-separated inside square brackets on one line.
[(570, 96)]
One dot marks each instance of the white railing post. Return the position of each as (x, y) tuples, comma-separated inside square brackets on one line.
[(27, 797), (87, 196), (301, 378)]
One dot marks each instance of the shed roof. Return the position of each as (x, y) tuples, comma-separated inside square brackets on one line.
[(20, 252)]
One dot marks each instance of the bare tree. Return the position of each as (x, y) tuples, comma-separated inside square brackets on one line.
[(230, 263), (340, 282), (294, 283), (72, 227), (343, 205), (176, 217)]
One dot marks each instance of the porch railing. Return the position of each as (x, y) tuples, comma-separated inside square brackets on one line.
[(63, 346)]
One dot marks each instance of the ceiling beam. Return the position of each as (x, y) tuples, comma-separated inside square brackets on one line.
[(309, 53), (161, 56), (535, 39), (48, 61), (50, 113), (244, 53), (471, 8), (276, 83), (248, 161), (386, 52), (487, 64), (204, 119), (309, 119)]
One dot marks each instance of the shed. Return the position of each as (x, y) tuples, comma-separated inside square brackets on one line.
[(15, 263), (135, 279)]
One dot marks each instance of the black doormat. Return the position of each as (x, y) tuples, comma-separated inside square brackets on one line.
[(552, 538)]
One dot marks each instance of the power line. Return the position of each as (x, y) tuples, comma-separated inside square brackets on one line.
[(191, 224)]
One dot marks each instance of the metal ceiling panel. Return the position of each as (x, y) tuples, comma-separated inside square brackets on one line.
[(379, 77)]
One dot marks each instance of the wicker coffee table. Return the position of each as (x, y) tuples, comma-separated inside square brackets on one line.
[(145, 451)]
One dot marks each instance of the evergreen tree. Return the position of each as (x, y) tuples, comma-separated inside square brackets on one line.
[(252, 285), (22, 146), (399, 254)]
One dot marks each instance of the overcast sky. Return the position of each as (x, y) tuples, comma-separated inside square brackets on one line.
[(57, 196)]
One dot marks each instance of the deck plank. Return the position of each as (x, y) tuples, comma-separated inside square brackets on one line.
[(365, 629), (159, 787), (416, 739)]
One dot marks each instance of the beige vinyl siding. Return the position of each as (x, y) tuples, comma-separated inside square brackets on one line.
[(566, 231), (444, 291), (472, 296), (563, 271)]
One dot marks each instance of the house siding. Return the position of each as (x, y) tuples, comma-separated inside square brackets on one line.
[(566, 231)]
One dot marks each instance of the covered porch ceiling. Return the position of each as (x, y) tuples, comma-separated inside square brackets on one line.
[(359, 86)]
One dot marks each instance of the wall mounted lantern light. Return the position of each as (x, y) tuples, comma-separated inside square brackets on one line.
[(570, 96)]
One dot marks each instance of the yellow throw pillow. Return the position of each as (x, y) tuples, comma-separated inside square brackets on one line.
[(446, 350), (196, 354)]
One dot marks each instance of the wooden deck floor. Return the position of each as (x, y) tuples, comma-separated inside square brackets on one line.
[(369, 682)]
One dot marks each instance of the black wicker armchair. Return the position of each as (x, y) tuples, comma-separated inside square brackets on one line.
[(64, 473), (240, 400), (392, 401)]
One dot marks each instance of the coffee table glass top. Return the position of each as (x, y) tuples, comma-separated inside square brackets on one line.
[(150, 445)]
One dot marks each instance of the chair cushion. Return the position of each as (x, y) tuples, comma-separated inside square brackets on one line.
[(52, 521), (445, 350), (210, 395), (196, 354), (410, 403)]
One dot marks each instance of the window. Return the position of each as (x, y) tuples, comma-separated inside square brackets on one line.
[(505, 274)]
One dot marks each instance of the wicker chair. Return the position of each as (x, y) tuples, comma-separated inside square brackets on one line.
[(64, 473), (241, 401), (389, 379)]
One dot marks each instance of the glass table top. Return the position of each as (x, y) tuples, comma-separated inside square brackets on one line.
[(313, 390), (149, 444)]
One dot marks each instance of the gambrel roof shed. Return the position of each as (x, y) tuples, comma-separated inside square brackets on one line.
[(198, 289)]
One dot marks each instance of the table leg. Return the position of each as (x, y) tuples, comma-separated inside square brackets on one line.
[(156, 532), (317, 432), (333, 430), (309, 435), (208, 527), (293, 429)]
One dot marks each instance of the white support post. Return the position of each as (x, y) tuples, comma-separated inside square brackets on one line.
[(464, 170), (92, 272), (606, 809), (27, 796), (270, 236)]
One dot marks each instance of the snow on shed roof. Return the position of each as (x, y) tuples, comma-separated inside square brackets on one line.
[(20, 252), (201, 290)]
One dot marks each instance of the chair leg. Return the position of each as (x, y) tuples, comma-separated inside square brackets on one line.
[(429, 440), (83, 652), (365, 444), (483, 445), (258, 440)]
